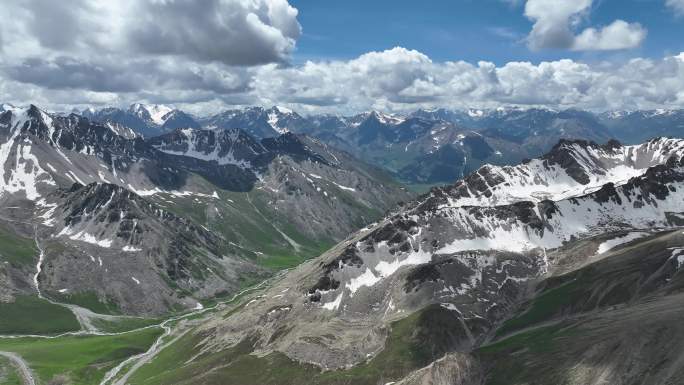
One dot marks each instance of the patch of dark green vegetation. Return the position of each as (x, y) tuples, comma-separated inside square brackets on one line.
[(32, 315), (124, 324), (418, 188), (259, 235), (548, 304), (631, 273), (16, 250), (520, 358), (90, 301), (79, 360)]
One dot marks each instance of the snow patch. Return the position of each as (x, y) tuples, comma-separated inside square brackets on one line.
[(83, 236), (613, 243), (334, 305), (344, 187)]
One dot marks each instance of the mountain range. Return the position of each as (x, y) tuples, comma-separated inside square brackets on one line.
[(563, 269), (426, 147), (291, 255), (102, 203)]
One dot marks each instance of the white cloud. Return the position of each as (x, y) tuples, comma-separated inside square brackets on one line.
[(618, 35), (102, 58), (552, 22), (233, 32), (188, 50), (401, 79), (555, 23), (677, 6), (395, 80)]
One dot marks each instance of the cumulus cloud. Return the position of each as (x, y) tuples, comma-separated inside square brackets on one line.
[(402, 80), (127, 49), (618, 35), (555, 23), (677, 6), (235, 52), (397, 80), (233, 32)]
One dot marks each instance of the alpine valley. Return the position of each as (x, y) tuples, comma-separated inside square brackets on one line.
[(290, 192), (98, 217), (561, 270), (258, 246)]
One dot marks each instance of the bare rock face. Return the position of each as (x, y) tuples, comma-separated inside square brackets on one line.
[(130, 246), (6, 292), (452, 369)]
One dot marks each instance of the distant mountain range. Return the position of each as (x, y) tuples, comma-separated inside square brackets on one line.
[(426, 147)]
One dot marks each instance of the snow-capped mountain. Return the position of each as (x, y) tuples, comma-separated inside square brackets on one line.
[(425, 147), (152, 113), (519, 123), (232, 146), (460, 259), (633, 126), (98, 189), (428, 147), (578, 190), (257, 121), (572, 168), (145, 119), (177, 119), (152, 120), (41, 151), (127, 249)]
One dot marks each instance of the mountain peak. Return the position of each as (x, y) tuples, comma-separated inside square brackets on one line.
[(384, 118), (282, 110), (153, 112)]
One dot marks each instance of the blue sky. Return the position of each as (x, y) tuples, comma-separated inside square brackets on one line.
[(470, 30)]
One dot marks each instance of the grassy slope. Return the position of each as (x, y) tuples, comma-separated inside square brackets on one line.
[(423, 188), (16, 250), (81, 359), (549, 344), (31, 315), (252, 231), (507, 358), (544, 307), (612, 281), (124, 324), (88, 300), (411, 344)]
